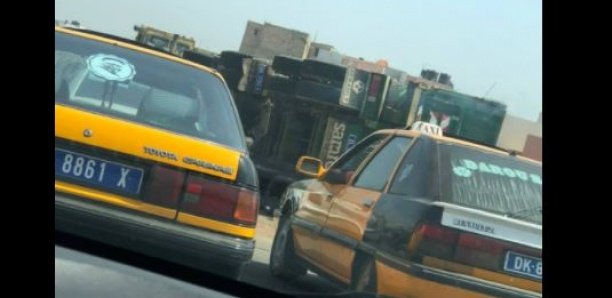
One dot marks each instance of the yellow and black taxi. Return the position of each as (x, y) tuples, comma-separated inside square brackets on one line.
[(412, 213), (150, 154)]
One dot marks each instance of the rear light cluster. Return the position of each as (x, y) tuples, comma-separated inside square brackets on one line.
[(464, 247), (433, 240), (165, 186), (202, 196), (219, 200)]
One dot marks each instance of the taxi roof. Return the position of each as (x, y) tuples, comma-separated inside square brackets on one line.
[(446, 139), (132, 45)]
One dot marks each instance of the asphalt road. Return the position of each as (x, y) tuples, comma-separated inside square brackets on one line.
[(257, 272), (93, 272)]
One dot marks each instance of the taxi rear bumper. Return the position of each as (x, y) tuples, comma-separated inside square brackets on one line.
[(150, 235), (402, 278)]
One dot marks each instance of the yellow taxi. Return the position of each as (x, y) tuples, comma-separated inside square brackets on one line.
[(150, 154), (412, 213)]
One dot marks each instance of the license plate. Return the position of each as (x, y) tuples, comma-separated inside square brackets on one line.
[(97, 172), (523, 265)]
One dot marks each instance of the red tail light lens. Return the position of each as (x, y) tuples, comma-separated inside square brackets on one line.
[(247, 207), (209, 198), (438, 233), (433, 240), (466, 248), (480, 243), (218, 200), (165, 186)]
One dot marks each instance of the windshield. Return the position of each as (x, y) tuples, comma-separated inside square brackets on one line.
[(111, 80), (492, 182)]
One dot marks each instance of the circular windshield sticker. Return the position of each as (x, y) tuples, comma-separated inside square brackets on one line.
[(110, 67)]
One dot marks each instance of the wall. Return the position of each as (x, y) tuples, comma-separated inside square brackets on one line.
[(251, 39), (315, 49), (514, 132), (533, 147), (267, 41)]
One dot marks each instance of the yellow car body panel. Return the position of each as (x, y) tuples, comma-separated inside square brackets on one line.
[(394, 283), (131, 138), (115, 200), (501, 278)]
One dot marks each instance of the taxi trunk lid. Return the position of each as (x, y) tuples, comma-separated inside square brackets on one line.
[(133, 165), (481, 244)]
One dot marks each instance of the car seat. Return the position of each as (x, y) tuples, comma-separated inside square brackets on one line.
[(165, 109)]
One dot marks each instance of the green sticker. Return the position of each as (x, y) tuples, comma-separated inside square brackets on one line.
[(536, 179), (484, 168), (496, 170), (509, 172), (462, 172), (522, 175), (467, 166), (470, 164)]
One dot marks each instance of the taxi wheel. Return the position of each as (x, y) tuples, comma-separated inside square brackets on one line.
[(364, 276), (283, 262)]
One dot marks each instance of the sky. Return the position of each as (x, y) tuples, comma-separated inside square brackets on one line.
[(489, 47)]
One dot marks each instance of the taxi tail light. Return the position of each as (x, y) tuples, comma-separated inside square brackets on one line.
[(433, 240), (247, 207), (165, 186), (486, 252), (219, 200), (480, 251), (480, 243)]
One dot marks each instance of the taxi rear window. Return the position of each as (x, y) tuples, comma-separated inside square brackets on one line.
[(127, 84), (490, 181)]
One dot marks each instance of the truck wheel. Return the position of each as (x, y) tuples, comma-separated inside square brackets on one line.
[(364, 275), (323, 71), (283, 262), (318, 91), (280, 84), (288, 66)]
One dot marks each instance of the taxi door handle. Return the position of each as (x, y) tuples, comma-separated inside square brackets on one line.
[(368, 203)]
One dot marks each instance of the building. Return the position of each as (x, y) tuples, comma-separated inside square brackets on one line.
[(522, 135), (267, 40), (69, 24), (316, 49)]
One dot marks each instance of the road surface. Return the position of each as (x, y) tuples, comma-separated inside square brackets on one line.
[(257, 273)]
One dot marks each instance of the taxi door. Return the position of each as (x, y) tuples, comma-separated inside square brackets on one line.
[(318, 197), (352, 207)]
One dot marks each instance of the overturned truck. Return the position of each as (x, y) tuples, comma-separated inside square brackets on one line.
[(291, 107)]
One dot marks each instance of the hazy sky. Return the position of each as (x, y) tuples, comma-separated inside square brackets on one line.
[(480, 43)]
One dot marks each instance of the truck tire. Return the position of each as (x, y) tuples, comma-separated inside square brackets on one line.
[(323, 72), (210, 61), (232, 78), (288, 66), (318, 91), (280, 84), (232, 60)]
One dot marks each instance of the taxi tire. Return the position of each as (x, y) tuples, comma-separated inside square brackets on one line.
[(283, 261), (364, 275)]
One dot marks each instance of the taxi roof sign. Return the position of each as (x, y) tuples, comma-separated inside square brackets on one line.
[(427, 128)]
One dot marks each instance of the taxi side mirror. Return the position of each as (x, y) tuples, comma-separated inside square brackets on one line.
[(310, 166)]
